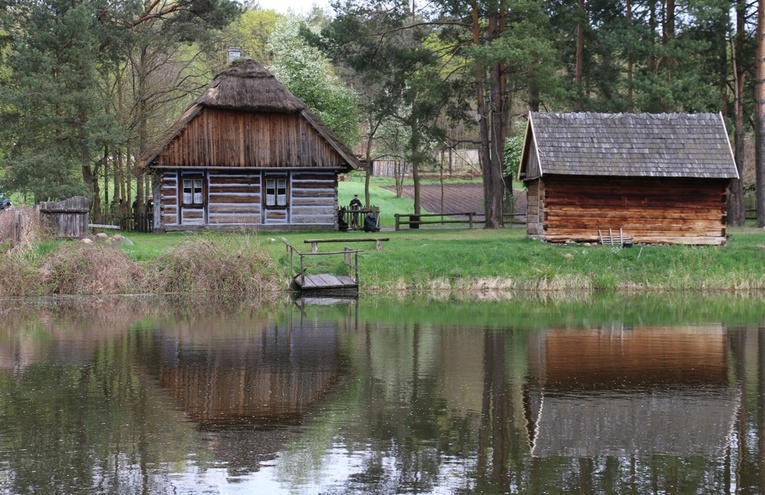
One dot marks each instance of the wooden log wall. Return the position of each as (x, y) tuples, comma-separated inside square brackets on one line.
[(168, 204), (313, 198), (651, 210), (235, 198), (534, 208), (224, 138)]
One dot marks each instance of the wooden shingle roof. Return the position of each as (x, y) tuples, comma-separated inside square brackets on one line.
[(628, 145)]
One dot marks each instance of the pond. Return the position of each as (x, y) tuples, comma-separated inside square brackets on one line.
[(419, 394)]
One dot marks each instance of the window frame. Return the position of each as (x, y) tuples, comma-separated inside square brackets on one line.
[(196, 191), (276, 196)]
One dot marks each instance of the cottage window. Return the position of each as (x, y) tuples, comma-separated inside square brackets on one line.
[(276, 192), (192, 192)]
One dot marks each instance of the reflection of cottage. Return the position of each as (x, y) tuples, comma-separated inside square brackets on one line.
[(247, 152), (277, 373), (618, 392), (656, 178)]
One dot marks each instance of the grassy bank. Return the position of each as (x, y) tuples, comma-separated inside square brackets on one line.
[(447, 259), (506, 260)]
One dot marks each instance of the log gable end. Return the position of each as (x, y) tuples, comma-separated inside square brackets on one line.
[(226, 138)]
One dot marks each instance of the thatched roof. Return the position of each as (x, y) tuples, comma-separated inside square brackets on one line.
[(246, 86), (627, 145)]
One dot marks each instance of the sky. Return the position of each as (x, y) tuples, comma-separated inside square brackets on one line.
[(297, 6)]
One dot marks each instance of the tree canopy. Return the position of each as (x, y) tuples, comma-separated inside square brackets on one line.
[(85, 84)]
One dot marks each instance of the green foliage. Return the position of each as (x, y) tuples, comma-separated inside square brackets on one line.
[(309, 75), (514, 150), (252, 31), (55, 114), (68, 108)]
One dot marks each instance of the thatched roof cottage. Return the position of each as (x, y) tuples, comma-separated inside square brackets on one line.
[(246, 153), (655, 178)]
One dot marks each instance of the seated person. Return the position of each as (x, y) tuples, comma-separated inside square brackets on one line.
[(370, 223), (342, 225)]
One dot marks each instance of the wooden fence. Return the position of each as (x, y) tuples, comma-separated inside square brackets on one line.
[(128, 222), (71, 216), (415, 221)]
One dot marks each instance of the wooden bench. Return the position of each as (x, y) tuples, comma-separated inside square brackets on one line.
[(315, 242), (103, 226)]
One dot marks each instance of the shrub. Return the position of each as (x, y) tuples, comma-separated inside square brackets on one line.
[(228, 265), (80, 268), (17, 277)]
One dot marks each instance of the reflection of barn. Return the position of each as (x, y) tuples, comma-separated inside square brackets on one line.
[(278, 373), (649, 390)]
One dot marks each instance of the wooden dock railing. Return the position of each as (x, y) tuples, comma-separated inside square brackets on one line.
[(350, 260)]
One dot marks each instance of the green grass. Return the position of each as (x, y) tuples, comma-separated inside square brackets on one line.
[(506, 259)]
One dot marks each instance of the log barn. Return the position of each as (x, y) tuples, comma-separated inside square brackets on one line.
[(656, 178), (246, 153)]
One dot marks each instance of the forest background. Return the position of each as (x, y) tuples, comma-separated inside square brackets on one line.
[(85, 85)]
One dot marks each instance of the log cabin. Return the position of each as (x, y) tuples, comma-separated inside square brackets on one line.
[(246, 153), (656, 178)]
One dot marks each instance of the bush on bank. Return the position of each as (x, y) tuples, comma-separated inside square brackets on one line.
[(196, 266)]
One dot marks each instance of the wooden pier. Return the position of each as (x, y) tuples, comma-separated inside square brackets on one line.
[(324, 283)]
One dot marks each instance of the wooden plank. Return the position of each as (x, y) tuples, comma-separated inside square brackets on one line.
[(326, 281), (348, 239), (102, 226)]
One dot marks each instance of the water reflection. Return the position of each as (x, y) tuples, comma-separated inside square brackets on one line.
[(618, 391), (604, 395)]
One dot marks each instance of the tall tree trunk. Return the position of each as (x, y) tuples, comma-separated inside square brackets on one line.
[(759, 121), (373, 127), (483, 125), (492, 127), (630, 62), (534, 97), (580, 57), (652, 65), (143, 132), (736, 206), (668, 33), (416, 159)]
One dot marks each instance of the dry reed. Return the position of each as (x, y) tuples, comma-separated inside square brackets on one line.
[(79, 268), (202, 266)]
